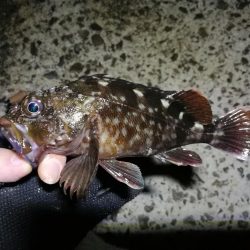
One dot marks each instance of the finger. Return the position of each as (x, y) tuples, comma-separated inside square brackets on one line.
[(12, 167), (50, 168)]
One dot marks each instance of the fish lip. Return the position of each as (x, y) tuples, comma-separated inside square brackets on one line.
[(7, 132), (11, 131)]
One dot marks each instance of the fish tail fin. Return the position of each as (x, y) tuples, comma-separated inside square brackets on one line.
[(232, 133)]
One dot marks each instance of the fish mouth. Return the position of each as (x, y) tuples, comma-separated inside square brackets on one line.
[(17, 136), (10, 133)]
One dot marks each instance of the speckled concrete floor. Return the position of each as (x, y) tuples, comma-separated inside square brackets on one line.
[(170, 44)]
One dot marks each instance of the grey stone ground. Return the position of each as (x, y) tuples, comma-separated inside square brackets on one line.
[(170, 44)]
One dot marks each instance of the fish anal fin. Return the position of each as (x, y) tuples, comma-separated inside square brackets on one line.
[(180, 157), (195, 105), (125, 172)]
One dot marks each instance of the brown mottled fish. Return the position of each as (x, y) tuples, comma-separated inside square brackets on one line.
[(97, 119)]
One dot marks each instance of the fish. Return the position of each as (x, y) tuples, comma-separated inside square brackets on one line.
[(97, 119)]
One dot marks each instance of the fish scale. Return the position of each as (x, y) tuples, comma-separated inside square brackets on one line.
[(97, 119)]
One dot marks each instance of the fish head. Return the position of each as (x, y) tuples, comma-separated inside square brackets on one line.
[(39, 122)]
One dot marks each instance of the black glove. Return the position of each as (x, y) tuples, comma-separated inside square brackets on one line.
[(35, 215)]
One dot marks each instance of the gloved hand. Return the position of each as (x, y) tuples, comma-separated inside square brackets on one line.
[(35, 215)]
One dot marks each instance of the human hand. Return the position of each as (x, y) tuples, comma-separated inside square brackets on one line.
[(13, 167), (30, 209)]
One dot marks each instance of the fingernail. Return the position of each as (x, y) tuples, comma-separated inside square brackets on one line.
[(50, 170), (17, 162)]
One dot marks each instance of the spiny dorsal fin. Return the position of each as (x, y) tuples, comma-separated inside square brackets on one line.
[(196, 105)]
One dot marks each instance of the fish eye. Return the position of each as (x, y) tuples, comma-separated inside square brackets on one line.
[(34, 107)]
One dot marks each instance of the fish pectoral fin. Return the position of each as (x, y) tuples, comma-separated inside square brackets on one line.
[(77, 175), (80, 171), (125, 172), (180, 157)]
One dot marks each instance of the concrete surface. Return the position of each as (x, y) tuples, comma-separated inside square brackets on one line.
[(170, 44)]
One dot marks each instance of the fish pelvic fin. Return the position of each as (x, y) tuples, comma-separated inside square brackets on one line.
[(232, 133), (124, 172)]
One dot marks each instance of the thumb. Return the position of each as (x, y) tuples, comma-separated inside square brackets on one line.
[(12, 167)]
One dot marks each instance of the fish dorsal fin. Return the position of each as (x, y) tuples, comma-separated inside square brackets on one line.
[(125, 172), (195, 104)]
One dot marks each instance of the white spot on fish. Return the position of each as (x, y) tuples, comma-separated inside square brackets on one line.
[(114, 97), (107, 120), (137, 127), (138, 92), (95, 93), (143, 118), (148, 131), (159, 126), (197, 126), (124, 132), (141, 106), (125, 120), (148, 141), (173, 136), (150, 110), (117, 135), (151, 132), (104, 136), (151, 122), (118, 109), (115, 121), (134, 139), (181, 115), (88, 101), (137, 137), (123, 99), (165, 103), (80, 96), (164, 137), (134, 114), (103, 83)]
